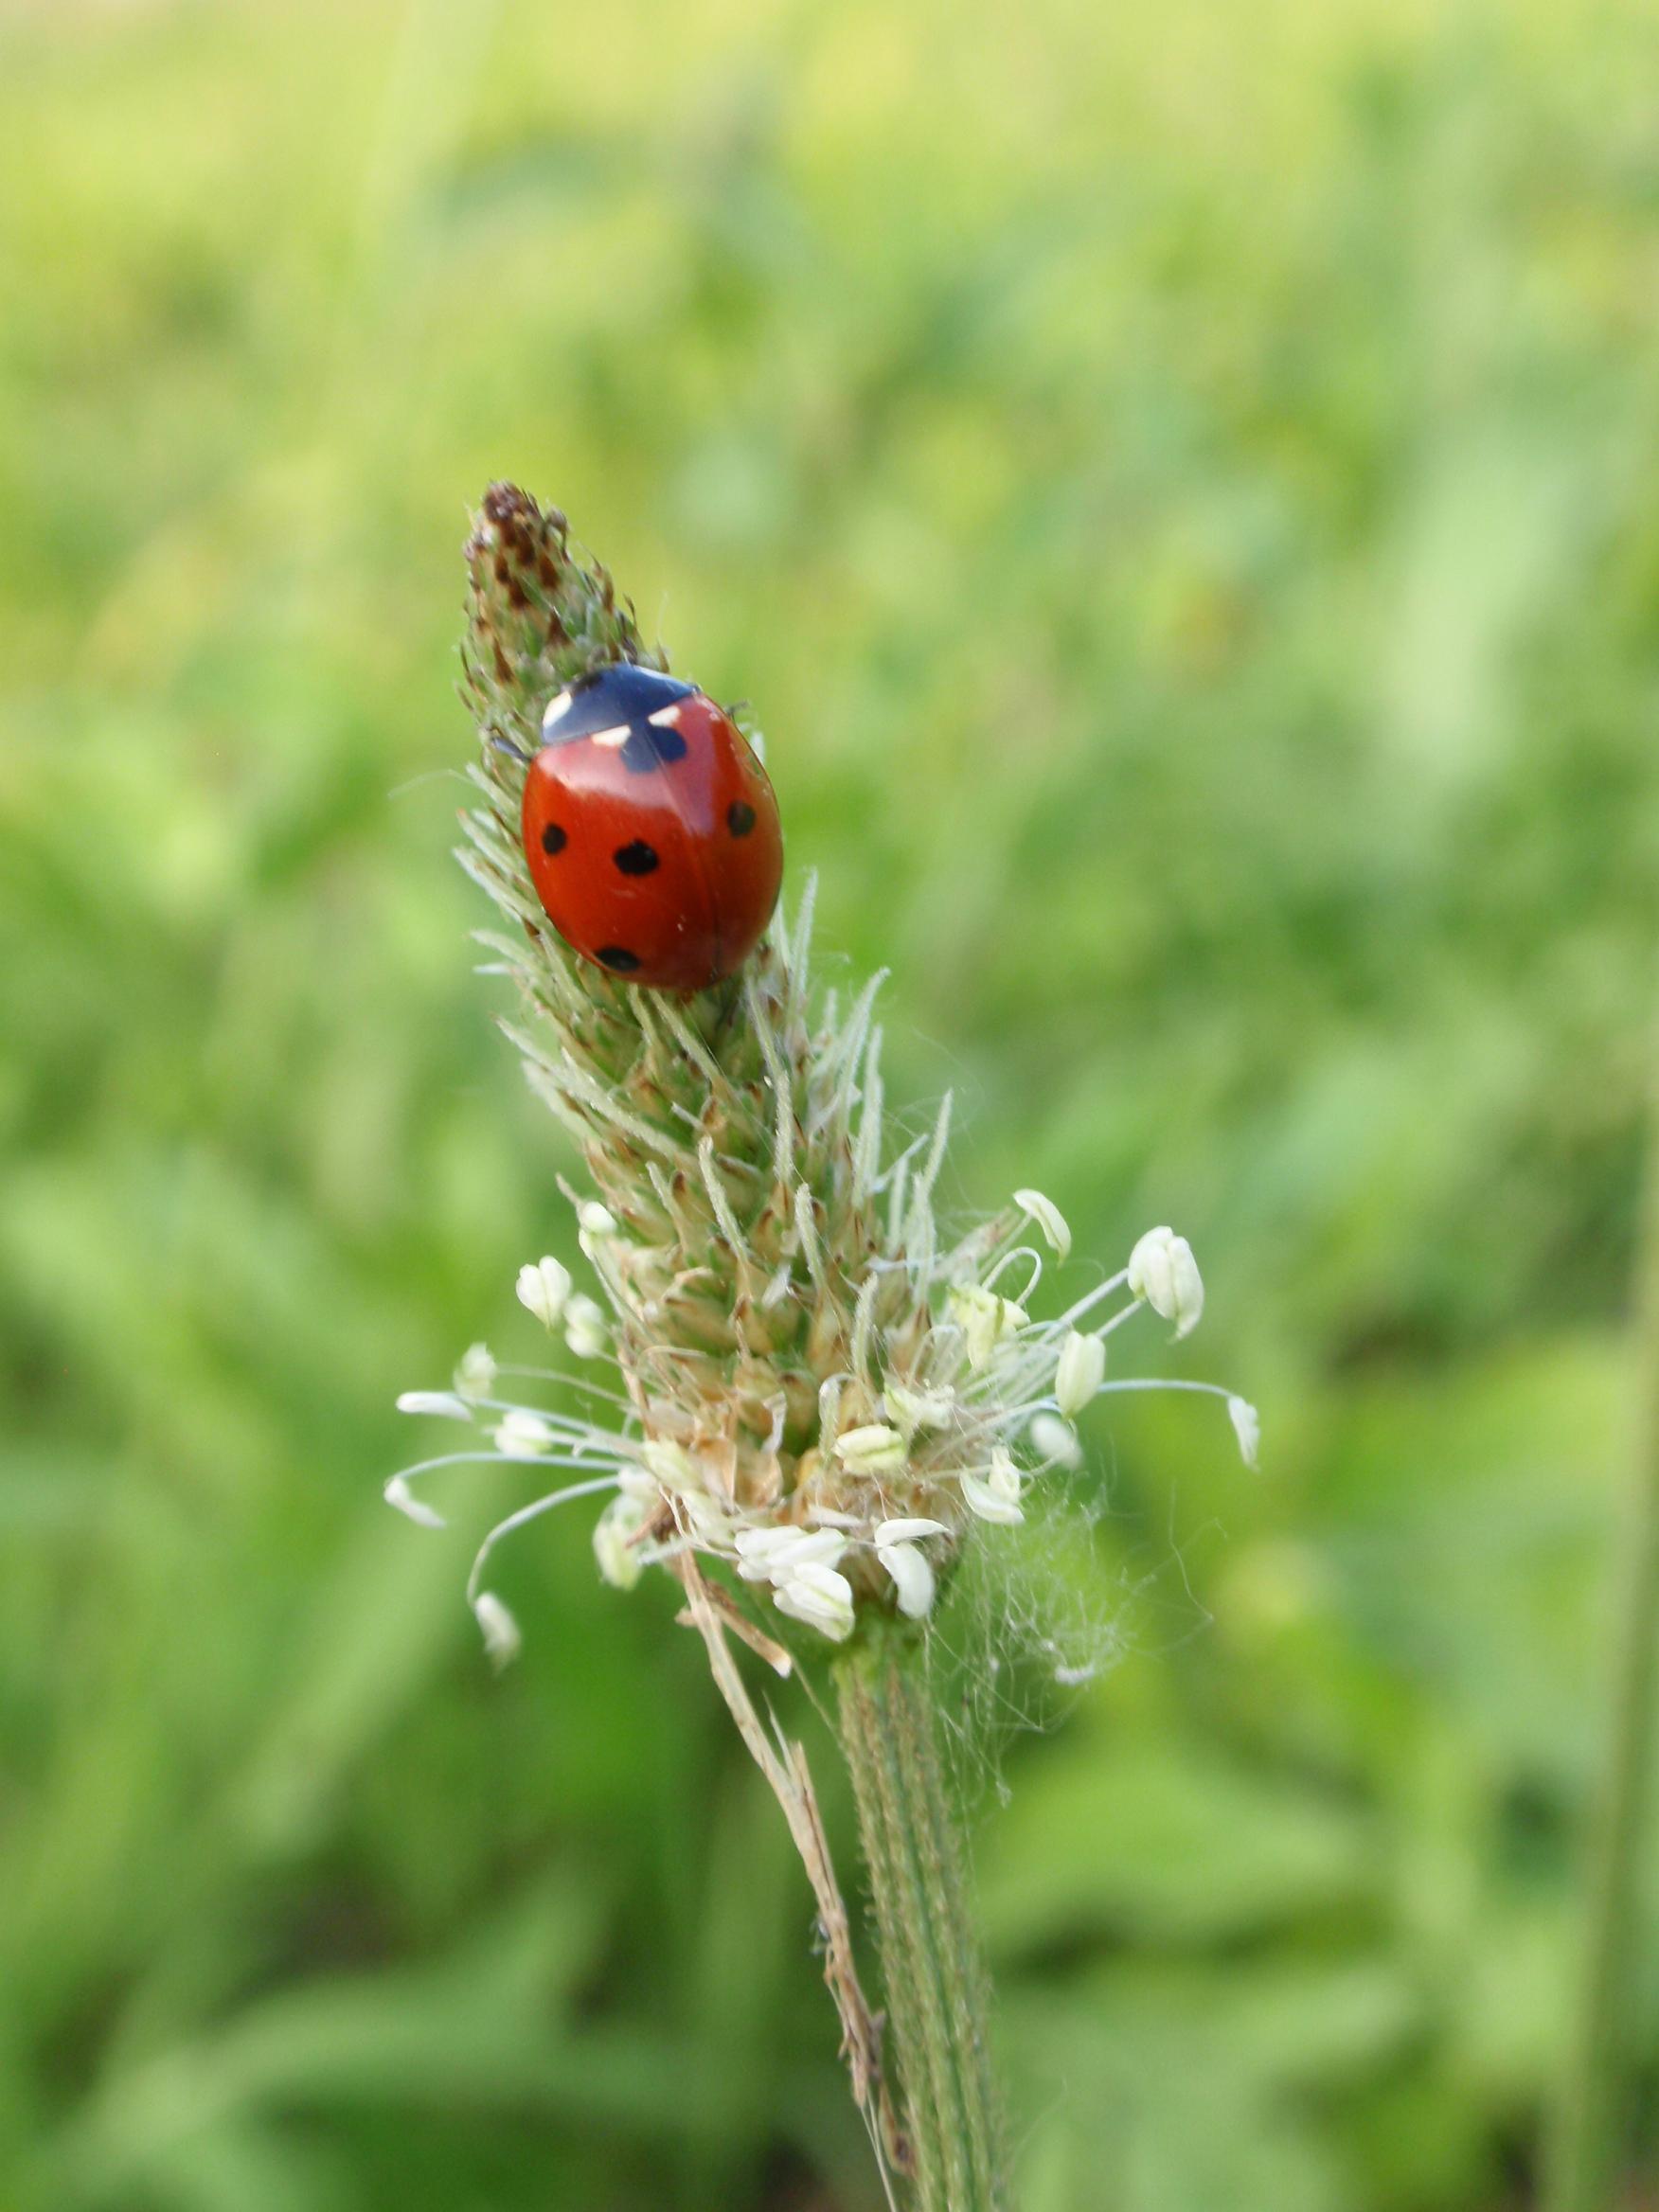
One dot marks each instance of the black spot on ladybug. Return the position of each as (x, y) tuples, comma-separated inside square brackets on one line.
[(637, 858), (617, 959), (553, 839), (739, 817), (650, 746)]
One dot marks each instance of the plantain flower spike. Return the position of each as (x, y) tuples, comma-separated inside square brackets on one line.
[(802, 1387)]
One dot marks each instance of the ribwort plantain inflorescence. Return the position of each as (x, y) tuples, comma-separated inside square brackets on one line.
[(810, 1385), (800, 1397)]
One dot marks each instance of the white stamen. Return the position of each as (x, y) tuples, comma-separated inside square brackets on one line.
[(913, 1409), (772, 1555), (1078, 1372), (821, 1597), (995, 1495), (521, 1435), (984, 1319), (542, 1288), (907, 1531), (912, 1578), (1053, 1438), (874, 1448), (619, 1557), (1246, 1427), (584, 1328), (476, 1372), (1163, 1272), (1048, 1218), (444, 1403), (398, 1493), (502, 1640)]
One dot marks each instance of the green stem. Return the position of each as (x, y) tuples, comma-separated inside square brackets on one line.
[(937, 1991), (1582, 2174)]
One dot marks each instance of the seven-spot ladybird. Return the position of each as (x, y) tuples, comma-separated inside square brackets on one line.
[(650, 830)]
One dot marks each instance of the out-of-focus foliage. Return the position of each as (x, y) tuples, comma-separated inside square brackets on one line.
[(1178, 487)]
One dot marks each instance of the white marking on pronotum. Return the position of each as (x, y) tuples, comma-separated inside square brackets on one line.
[(666, 718), (614, 739), (556, 707)]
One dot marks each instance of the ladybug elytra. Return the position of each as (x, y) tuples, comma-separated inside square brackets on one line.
[(650, 830)]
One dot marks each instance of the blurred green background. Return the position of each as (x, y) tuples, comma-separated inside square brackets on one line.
[(1177, 485)]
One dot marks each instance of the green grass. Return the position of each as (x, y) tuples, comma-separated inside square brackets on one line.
[(1177, 488)]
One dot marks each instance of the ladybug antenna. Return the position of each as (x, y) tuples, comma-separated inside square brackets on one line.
[(506, 745)]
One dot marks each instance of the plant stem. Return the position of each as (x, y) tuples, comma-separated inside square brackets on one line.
[(936, 1988), (1582, 2174)]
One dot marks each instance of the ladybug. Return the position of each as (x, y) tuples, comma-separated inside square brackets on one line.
[(650, 830)]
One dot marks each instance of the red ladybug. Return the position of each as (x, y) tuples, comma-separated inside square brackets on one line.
[(650, 830)]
